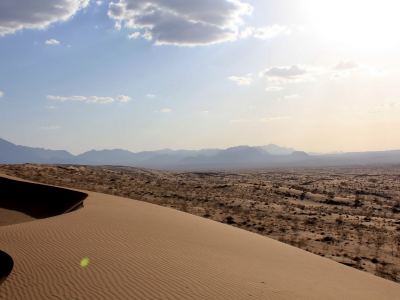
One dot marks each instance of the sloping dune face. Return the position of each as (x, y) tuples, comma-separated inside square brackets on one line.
[(36, 200), (137, 250)]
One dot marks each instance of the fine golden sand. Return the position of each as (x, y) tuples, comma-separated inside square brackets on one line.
[(138, 250)]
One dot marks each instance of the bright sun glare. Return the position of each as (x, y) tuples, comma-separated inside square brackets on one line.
[(368, 25)]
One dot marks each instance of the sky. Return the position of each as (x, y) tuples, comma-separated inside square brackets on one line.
[(318, 76)]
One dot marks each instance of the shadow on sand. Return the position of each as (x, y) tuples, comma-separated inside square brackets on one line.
[(36, 200), (6, 265)]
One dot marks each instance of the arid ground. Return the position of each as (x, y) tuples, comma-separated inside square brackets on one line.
[(350, 215)]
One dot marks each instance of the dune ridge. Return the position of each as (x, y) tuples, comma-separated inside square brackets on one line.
[(138, 250), (36, 200)]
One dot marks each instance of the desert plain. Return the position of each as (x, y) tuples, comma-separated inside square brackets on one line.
[(295, 233)]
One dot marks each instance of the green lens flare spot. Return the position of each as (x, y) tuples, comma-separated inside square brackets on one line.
[(84, 262)]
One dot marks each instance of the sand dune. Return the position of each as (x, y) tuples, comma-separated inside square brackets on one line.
[(138, 250), (37, 200)]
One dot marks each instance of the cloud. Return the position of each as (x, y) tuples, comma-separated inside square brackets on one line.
[(51, 107), (122, 98), (99, 2), (73, 98), (292, 96), (265, 33), (345, 65), (271, 31), (293, 73), (133, 35), (242, 80), (1, 94), (248, 31), (52, 42), (50, 128), (91, 99), (18, 14), (150, 96), (100, 100), (183, 23), (391, 105), (340, 75), (165, 110), (274, 88)]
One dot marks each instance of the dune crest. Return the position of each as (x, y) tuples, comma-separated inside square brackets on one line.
[(36, 200), (139, 250)]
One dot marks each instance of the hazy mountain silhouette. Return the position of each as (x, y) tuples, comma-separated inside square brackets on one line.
[(13, 154), (274, 149), (234, 157)]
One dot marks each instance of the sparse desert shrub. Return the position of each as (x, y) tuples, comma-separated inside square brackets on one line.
[(230, 220), (309, 221), (184, 206), (301, 243), (339, 221), (387, 271)]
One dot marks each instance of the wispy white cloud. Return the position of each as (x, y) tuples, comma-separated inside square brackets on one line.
[(291, 96), (248, 31), (342, 69), (51, 107), (72, 98), (248, 79), (100, 100), (1, 94), (151, 96), (91, 99), (265, 33), (344, 65), (340, 75), (183, 23), (274, 88), (271, 31), (165, 110), (18, 14), (123, 98), (391, 105), (52, 42), (293, 73), (133, 35), (50, 128), (99, 2), (278, 75)]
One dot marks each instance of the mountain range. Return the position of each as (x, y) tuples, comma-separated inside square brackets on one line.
[(235, 157)]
